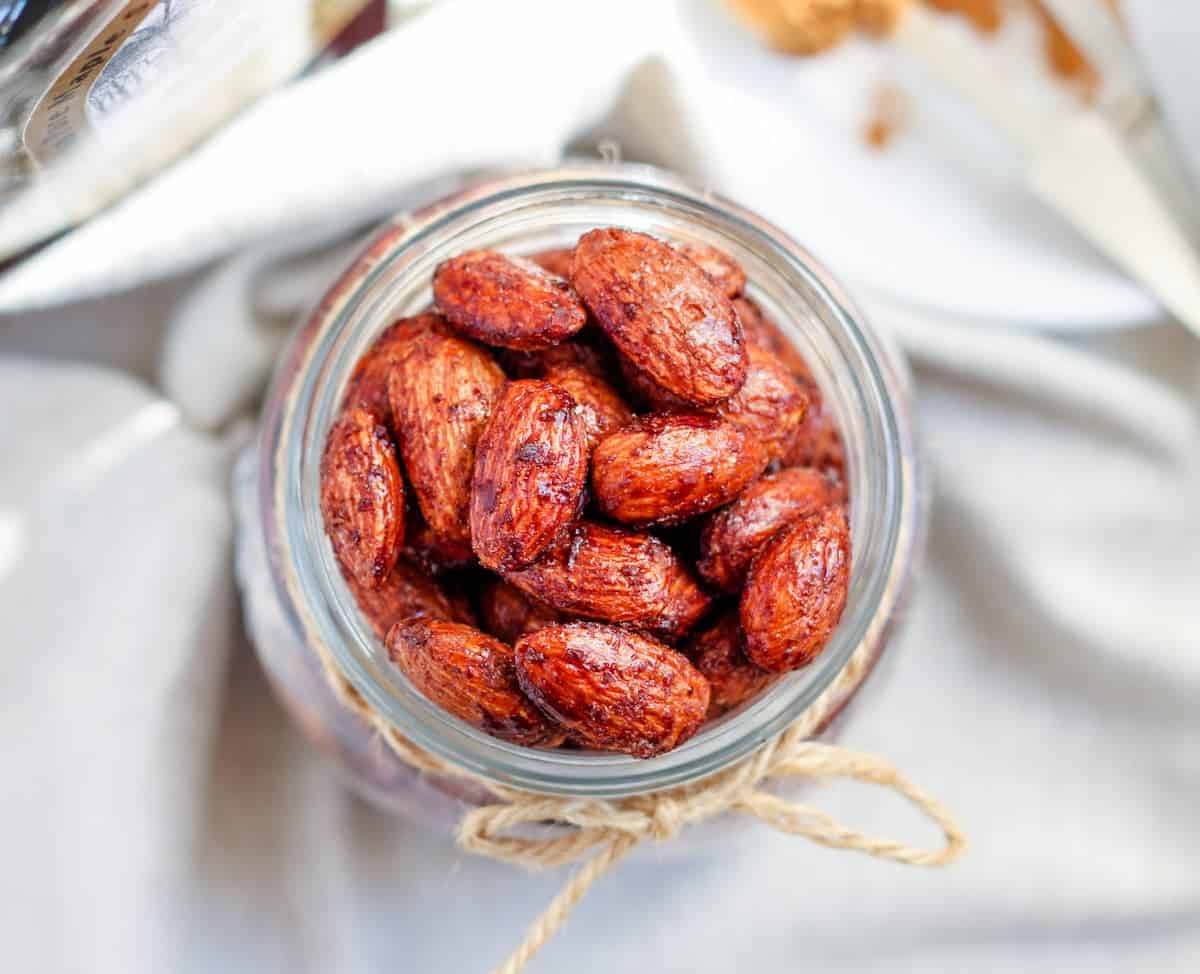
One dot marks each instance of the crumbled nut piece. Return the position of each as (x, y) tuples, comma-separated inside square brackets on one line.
[(880, 17), (799, 26)]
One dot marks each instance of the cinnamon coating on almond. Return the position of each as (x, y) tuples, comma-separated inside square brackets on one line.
[(796, 591), (471, 675), (506, 301), (667, 468), (733, 535), (716, 652), (530, 471), (626, 577), (442, 398), (611, 689), (663, 313), (362, 497)]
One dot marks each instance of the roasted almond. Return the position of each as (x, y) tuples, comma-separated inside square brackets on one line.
[(530, 472), (362, 497), (611, 689), (817, 443), (471, 675), (716, 652), (663, 313), (648, 395), (429, 553), (556, 261), (617, 576), (771, 403), (508, 614), (441, 400), (368, 385), (733, 535), (666, 468), (762, 332), (405, 593), (600, 407), (796, 591), (724, 271), (506, 301), (588, 350)]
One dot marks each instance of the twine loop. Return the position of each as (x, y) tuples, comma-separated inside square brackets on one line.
[(500, 831), (615, 827)]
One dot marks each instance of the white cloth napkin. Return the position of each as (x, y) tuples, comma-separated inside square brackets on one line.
[(161, 815), (466, 84)]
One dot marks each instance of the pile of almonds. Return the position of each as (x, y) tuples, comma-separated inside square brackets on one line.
[(575, 464)]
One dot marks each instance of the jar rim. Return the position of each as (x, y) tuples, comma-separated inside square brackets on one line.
[(355, 309)]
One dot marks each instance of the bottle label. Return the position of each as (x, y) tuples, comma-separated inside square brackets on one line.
[(60, 115), (141, 83)]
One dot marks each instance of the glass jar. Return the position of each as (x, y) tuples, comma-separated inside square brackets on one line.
[(98, 95), (294, 593)]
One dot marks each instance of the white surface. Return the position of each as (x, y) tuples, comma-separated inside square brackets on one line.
[(951, 225), (1078, 165), (1086, 162), (159, 814)]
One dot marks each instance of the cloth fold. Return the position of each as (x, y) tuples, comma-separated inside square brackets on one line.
[(116, 594)]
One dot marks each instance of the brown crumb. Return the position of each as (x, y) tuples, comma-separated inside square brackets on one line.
[(880, 17), (798, 26), (812, 26), (888, 115), (1063, 58), (986, 16)]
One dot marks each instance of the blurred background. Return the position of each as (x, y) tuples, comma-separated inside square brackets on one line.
[(1008, 188)]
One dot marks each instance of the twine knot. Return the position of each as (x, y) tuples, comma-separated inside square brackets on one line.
[(665, 819)]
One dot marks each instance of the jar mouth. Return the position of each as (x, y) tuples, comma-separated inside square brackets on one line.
[(861, 379)]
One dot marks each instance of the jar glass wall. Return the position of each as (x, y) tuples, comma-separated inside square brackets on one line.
[(295, 593)]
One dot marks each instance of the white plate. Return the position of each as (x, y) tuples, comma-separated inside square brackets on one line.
[(940, 219)]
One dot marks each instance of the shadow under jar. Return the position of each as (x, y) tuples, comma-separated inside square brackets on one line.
[(295, 594)]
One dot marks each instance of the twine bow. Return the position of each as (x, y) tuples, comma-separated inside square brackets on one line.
[(616, 827)]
